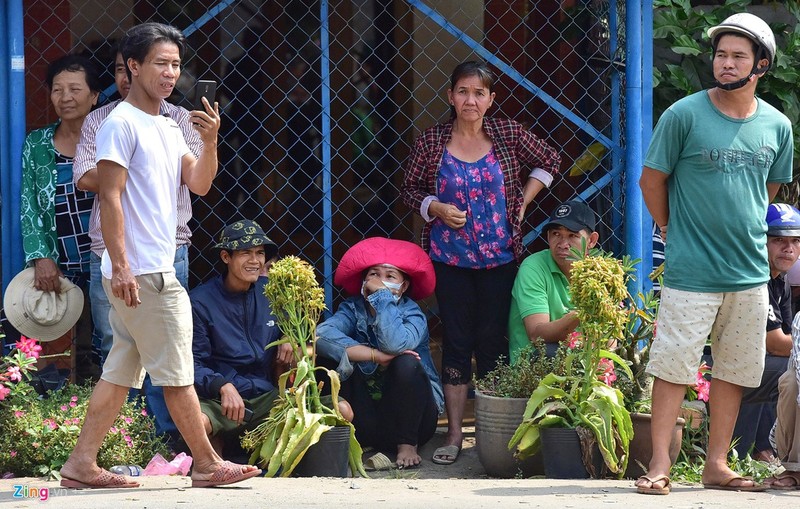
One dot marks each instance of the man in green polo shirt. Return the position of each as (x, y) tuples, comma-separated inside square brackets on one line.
[(540, 301)]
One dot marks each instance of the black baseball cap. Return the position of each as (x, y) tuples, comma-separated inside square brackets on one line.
[(573, 215)]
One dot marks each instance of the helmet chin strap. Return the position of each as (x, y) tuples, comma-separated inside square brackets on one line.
[(744, 81), (735, 85)]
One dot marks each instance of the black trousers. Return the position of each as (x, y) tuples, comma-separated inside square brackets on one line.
[(473, 307), (406, 412)]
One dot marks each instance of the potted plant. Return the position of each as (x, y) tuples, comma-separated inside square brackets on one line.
[(500, 399), (299, 417), (581, 399)]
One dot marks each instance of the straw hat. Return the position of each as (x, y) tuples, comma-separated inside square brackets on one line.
[(45, 316), (406, 256)]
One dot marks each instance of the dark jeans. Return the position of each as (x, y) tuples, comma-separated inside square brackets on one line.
[(473, 308), (406, 412)]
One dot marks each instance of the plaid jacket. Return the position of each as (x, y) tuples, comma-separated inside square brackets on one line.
[(518, 151)]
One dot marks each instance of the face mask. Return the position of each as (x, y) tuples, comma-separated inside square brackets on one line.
[(395, 287), (389, 285)]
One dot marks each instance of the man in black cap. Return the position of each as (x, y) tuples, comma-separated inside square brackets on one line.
[(233, 324), (540, 300)]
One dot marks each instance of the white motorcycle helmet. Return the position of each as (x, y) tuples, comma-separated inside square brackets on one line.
[(752, 27)]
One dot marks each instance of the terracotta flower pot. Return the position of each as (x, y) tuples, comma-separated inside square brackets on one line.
[(496, 419), (641, 447)]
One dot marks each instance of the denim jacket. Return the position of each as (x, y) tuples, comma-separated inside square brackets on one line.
[(394, 328)]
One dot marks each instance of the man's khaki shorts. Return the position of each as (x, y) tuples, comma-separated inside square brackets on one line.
[(736, 322), (155, 336)]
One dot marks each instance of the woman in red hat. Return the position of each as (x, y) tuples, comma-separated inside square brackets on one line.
[(471, 180), (378, 339)]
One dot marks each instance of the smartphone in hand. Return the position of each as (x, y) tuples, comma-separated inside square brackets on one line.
[(248, 415), (207, 89)]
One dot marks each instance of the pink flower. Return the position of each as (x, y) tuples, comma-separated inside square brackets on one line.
[(128, 438), (35, 445), (74, 398), (14, 373), (113, 429), (64, 408), (144, 412), (574, 340), (606, 371), (13, 454), (702, 386), (4, 391), (76, 420), (50, 423), (30, 347), (72, 404), (128, 420), (19, 413)]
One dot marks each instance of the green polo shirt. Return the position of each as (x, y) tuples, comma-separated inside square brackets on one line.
[(540, 287)]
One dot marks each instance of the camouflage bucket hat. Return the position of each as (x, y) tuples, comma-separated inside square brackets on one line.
[(245, 234)]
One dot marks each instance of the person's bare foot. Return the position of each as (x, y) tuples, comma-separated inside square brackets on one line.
[(77, 474), (222, 473), (659, 480), (407, 456), (79, 471), (713, 476)]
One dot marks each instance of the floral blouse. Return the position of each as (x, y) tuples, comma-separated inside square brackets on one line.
[(485, 241)]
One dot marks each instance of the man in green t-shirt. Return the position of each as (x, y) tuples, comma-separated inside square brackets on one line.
[(716, 160), (540, 301)]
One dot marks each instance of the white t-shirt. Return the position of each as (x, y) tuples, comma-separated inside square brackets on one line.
[(150, 147)]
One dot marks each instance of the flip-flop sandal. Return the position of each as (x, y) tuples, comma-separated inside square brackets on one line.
[(378, 461), (446, 454), (725, 485), (795, 476), (227, 473), (104, 479), (644, 490)]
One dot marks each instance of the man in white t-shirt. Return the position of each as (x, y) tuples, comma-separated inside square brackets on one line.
[(142, 159)]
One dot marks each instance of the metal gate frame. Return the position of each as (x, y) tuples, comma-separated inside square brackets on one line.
[(626, 160)]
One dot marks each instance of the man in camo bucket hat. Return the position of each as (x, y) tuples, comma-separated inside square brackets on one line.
[(234, 371), (245, 234)]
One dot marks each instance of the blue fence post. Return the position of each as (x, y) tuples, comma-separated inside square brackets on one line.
[(647, 130), (12, 134), (633, 135), (327, 216)]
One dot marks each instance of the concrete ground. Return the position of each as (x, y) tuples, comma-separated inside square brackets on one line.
[(462, 485)]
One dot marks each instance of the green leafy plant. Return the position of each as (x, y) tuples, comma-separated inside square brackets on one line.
[(682, 61), (691, 460), (634, 349), (520, 379), (298, 418), (582, 397), (39, 432)]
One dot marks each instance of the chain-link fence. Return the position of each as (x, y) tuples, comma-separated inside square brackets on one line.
[(388, 68)]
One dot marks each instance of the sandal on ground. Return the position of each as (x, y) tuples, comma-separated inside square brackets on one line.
[(651, 490), (794, 476), (226, 473), (446, 454), (725, 485), (378, 461), (104, 479)]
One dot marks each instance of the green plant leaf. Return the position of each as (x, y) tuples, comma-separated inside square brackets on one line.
[(684, 45)]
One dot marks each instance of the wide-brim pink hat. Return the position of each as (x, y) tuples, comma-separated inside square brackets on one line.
[(406, 256)]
